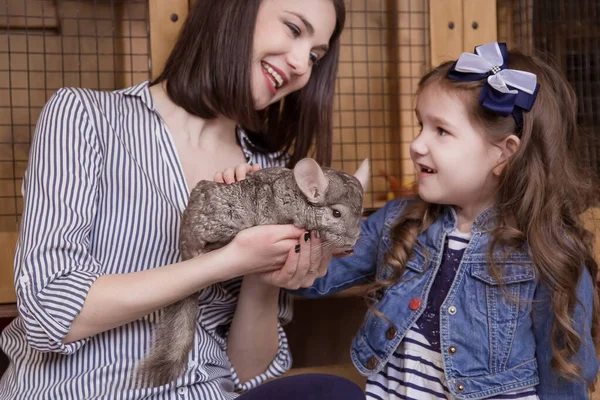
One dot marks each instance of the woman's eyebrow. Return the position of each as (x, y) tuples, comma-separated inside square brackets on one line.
[(310, 29)]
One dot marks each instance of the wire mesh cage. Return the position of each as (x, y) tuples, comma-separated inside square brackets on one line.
[(104, 44), (385, 50), (49, 44), (566, 33)]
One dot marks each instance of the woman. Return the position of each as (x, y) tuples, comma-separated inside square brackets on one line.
[(108, 177)]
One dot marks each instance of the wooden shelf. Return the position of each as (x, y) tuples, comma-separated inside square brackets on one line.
[(8, 310)]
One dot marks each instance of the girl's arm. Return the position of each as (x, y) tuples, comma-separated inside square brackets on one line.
[(360, 266), (553, 386)]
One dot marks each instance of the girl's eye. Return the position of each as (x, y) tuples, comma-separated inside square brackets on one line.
[(337, 214), (294, 28), (314, 58), (441, 132)]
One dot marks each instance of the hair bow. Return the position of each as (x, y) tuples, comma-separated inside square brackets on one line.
[(507, 91)]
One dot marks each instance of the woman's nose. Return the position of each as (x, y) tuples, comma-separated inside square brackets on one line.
[(298, 60)]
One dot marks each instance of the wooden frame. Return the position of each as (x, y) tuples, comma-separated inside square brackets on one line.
[(166, 19), (457, 26)]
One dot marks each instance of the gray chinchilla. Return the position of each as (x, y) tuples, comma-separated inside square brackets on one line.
[(318, 199)]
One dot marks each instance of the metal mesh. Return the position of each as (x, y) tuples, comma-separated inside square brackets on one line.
[(49, 44), (566, 33), (385, 50), (104, 44)]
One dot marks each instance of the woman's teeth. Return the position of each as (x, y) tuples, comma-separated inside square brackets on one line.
[(428, 170), (275, 78)]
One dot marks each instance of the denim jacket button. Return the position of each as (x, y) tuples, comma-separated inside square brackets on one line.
[(372, 363), (460, 387), (451, 349), (391, 333), (415, 303), (451, 310)]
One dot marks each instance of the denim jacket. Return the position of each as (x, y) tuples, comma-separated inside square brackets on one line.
[(491, 343)]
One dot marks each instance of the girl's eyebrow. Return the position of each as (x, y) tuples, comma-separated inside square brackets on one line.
[(310, 29)]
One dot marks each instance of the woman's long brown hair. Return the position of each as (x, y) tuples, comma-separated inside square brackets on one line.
[(541, 196)]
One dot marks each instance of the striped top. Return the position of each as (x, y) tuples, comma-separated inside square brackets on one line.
[(416, 369), (103, 194)]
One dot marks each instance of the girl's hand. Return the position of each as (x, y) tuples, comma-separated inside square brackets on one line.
[(234, 174), (301, 267), (262, 248)]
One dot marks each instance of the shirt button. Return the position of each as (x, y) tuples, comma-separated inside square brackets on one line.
[(451, 310), (182, 391), (391, 333), (24, 279), (415, 303), (192, 364), (451, 349), (372, 363), (460, 387)]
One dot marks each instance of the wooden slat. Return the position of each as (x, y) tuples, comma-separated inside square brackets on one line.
[(163, 31), (483, 13), (8, 241), (8, 310), (446, 43)]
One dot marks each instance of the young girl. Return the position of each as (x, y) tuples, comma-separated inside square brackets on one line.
[(485, 284)]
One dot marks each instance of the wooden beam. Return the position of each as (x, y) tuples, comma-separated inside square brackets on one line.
[(8, 242), (446, 29), (479, 23), (166, 19)]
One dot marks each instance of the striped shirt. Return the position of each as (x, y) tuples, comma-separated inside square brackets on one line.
[(103, 194), (416, 369)]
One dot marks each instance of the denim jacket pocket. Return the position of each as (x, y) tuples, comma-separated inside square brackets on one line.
[(506, 306)]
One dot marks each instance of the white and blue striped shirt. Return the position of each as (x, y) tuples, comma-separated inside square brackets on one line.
[(103, 194)]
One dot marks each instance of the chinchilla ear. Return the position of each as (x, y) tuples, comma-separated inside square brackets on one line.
[(362, 174), (311, 180)]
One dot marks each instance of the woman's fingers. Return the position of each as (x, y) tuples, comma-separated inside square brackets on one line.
[(234, 174)]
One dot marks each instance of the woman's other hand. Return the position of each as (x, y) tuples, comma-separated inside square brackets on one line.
[(235, 174)]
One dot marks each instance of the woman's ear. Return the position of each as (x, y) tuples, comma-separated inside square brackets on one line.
[(509, 147)]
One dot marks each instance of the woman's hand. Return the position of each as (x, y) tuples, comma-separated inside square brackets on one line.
[(235, 174), (305, 262), (262, 248)]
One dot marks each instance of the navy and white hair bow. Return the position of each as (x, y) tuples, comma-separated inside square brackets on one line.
[(507, 91)]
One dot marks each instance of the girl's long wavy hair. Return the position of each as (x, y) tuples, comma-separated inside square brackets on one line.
[(541, 195)]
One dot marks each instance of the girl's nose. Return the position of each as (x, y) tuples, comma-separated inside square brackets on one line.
[(418, 147)]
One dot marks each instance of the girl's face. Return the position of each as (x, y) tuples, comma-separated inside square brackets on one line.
[(453, 159), (289, 38)]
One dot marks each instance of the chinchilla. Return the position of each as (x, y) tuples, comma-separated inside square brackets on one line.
[(315, 198)]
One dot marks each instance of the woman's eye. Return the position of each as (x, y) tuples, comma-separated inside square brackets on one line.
[(294, 28), (314, 58), (337, 214), (441, 132)]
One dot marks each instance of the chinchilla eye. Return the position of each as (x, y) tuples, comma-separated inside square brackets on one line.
[(337, 214)]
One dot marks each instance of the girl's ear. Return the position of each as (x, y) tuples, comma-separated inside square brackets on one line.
[(509, 147)]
